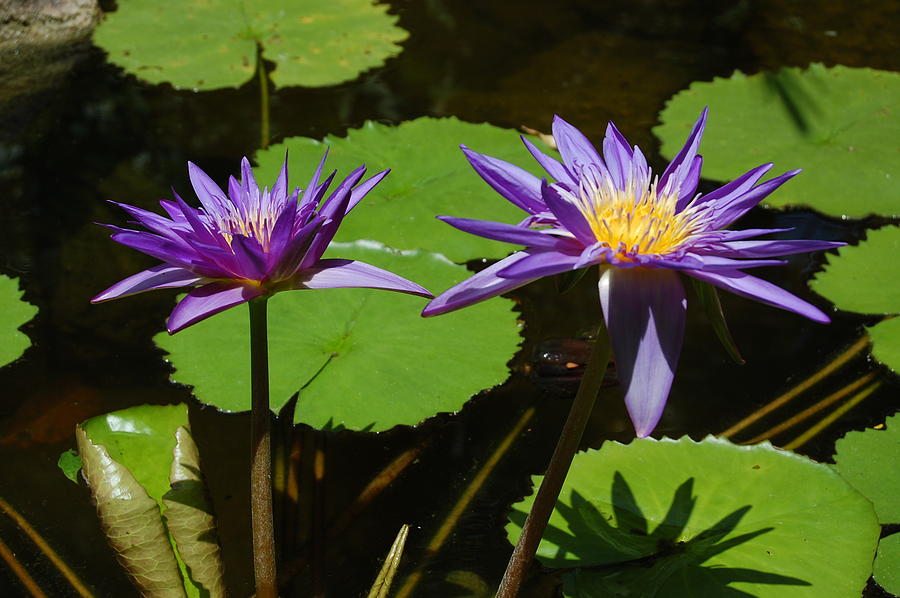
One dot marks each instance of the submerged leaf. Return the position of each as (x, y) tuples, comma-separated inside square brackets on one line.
[(708, 297), (131, 522), (361, 359), (211, 44), (70, 464), (680, 518), (13, 313), (836, 123)]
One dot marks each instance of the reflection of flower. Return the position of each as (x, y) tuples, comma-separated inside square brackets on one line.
[(641, 231), (248, 243)]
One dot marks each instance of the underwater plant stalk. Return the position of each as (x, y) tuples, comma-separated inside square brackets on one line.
[(263, 98), (569, 439), (261, 518)]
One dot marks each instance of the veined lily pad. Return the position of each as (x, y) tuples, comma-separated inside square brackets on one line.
[(13, 313), (887, 564), (679, 518), (866, 279), (140, 461), (210, 44), (839, 124), (431, 177), (362, 359)]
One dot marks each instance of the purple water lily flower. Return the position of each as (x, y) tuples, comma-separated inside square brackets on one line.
[(640, 231), (248, 243)]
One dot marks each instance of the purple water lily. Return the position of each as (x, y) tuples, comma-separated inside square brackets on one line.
[(248, 243), (640, 231)]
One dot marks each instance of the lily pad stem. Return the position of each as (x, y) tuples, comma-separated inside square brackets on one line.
[(261, 520), (263, 98), (569, 439)]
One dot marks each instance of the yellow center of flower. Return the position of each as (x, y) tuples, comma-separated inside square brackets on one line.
[(638, 219), (255, 219)]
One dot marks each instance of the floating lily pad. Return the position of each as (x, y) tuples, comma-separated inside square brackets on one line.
[(887, 564), (869, 461), (211, 44), (430, 177), (362, 359), (13, 313), (141, 462), (679, 518), (840, 125), (866, 279)]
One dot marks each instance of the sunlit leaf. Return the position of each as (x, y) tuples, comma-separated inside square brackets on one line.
[(680, 518), (887, 564), (13, 313), (838, 124), (210, 44), (866, 279), (430, 176), (869, 461), (362, 359)]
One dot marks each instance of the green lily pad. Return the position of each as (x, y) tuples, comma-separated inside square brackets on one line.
[(887, 564), (839, 124), (13, 313), (680, 518), (430, 177), (361, 359), (211, 44), (70, 464), (869, 461), (142, 464), (866, 279)]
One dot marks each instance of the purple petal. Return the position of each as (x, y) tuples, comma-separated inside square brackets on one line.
[(676, 173), (689, 186), (727, 212), (568, 214), (310, 189), (617, 154), (162, 249), (208, 192), (737, 187), (162, 276), (510, 233), (746, 233), (279, 189), (518, 186), (363, 188), (553, 167), (333, 212), (540, 262), (758, 289), (717, 262), (209, 300), (573, 145), (644, 311), (248, 181), (479, 287), (337, 274), (767, 248)]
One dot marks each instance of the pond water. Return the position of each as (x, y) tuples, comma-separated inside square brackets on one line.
[(96, 134)]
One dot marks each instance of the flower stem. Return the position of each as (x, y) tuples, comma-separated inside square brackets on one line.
[(261, 519), (263, 97), (569, 439)]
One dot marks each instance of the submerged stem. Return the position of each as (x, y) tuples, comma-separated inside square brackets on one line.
[(261, 520), (569, 439), (263, 98)]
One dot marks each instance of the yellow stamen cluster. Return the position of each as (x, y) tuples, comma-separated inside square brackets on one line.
[(256, 223), (638, 219)]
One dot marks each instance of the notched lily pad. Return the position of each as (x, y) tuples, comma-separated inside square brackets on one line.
[(430, 177), (14, 312), (682, 518), (212, 44), (838, 124), (866, 279), (361, 359)]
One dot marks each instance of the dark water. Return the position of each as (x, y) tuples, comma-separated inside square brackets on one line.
[(96, 134)]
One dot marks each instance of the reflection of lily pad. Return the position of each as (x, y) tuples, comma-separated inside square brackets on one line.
[(866, 279), (839, 124), (869, 461), (362, 357), (430, 176), (13, 313), (213, 43), (887, 564), (682, 518)]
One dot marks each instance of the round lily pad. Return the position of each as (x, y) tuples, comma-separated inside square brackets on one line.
[(680, 518), (13, 313), (211, 44), (887, 564), (361, 359), (866, 279), (839, 124), (868, 460), (430, 177)]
